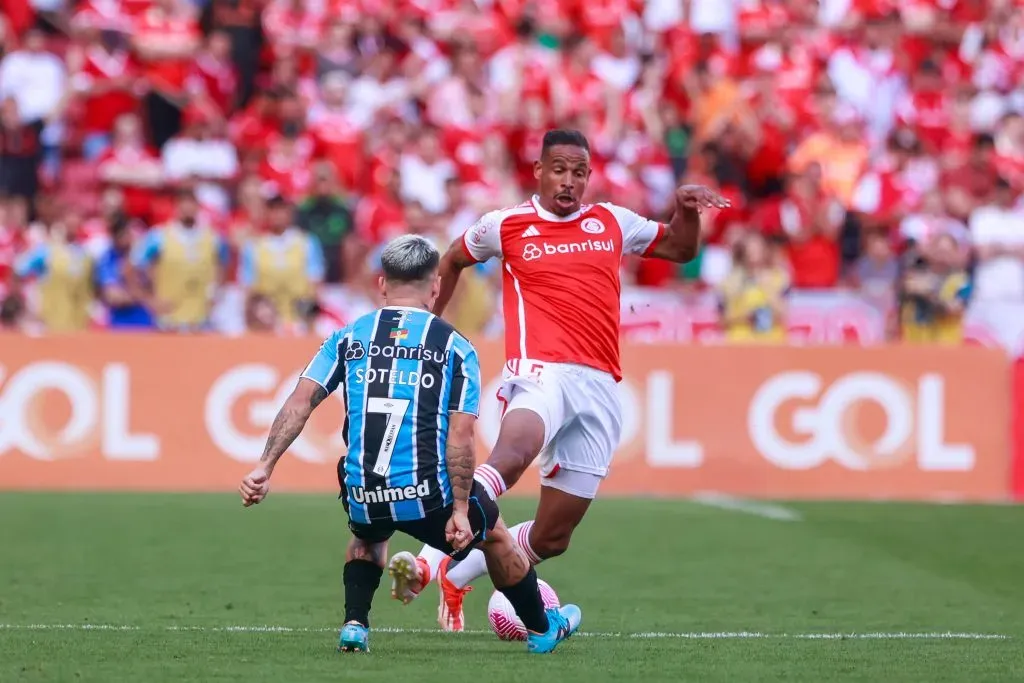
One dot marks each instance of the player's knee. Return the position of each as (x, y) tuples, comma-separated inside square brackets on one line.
[(548, 543), (366, 551)]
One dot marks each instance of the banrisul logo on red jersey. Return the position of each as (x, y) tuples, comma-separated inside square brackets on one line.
[(532, 252)]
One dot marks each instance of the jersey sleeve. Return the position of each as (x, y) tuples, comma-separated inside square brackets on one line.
[(147, 251), (482, 241), (32, 264), (108, 274), (465, 379), (247, 265), (328, 367), (315, 266), (639, 235)]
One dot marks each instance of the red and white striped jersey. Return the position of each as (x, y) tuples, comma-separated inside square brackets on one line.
[(561, 282)]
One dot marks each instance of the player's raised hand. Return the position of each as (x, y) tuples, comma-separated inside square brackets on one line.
[(254, 487), (697, 197), (458, 531)]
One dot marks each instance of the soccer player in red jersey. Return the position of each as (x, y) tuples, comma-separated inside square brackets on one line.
[(561, 262)]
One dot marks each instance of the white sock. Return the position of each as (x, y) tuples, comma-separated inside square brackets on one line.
[(521, 534), (469, 570), (491, 480), (475, 566), (433, 557)]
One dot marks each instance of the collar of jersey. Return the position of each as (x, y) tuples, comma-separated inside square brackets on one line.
[(554, 218), (405, 308)]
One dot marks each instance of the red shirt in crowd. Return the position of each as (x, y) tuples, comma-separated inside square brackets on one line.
[(339, 141), (379, 218), (112, 74), (157, 27)]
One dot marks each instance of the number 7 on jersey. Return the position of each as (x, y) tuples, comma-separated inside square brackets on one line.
[(395, 409)]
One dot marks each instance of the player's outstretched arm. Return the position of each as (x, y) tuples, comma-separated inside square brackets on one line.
[(453, 263), (682, 237), (287, 426), (460, 460)]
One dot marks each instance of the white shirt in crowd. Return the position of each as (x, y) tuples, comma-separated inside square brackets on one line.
[(620, 73), (713, 16), (210, 160), (425, 183), (1000, 278), (36, 81)]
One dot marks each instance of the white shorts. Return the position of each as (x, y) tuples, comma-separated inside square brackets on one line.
[(582, 417)]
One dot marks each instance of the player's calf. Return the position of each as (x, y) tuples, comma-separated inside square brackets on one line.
[(519, 442), (364, 566)]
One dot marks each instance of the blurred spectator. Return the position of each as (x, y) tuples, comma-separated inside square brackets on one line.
[(618, 66), (970, 182), (999, 242), (165, 40), (131, 166), (336, 50), (63, 271), (876, 273), (935, 292), (326, 215), (198, 155), (932, 220), (809, 220), (866, 73), (20, 152), (381, 216), (283, 266), (753, 296), (337, 137), (240, 20), (840, 150), (213, 81), (126, 305), (894, 185), (378, 88), (35, 78), (425, 171), (181, 263), (105, 79)]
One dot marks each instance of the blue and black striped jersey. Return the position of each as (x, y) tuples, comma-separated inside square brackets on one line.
[(403, 370)]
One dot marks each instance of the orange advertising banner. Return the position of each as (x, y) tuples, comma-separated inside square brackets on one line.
[(123, 412)]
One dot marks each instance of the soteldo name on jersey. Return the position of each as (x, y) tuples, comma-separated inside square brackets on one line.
[(388, 494), (356, 351)]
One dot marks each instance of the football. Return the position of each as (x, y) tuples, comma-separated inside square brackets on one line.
[(504, 622)]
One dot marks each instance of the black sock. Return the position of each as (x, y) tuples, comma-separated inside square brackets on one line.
[(361, 581), (525, 598)]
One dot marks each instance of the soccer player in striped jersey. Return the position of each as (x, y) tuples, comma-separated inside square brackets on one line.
[(412, 386)]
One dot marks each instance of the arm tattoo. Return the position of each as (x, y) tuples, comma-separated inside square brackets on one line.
[(287, 426), (460, 459), (317, 398)]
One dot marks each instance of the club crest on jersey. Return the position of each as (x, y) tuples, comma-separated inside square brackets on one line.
[(592, 226)]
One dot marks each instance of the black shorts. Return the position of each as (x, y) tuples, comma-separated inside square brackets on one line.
[(483, 515)]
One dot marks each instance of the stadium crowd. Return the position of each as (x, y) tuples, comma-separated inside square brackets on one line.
[(154, 153)]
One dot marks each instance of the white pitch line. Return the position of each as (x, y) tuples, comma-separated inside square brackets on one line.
[(643, 635), (750, 507)]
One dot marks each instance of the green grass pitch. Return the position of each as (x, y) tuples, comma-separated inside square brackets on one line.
[(730, 596)]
